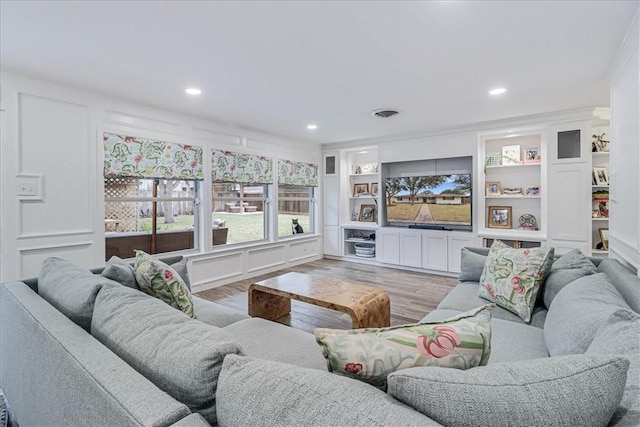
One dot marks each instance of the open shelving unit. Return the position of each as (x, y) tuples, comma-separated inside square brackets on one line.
[(527, 177)]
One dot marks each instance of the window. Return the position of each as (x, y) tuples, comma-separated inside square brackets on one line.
[(295, 212), (152, 215), (239, 214)]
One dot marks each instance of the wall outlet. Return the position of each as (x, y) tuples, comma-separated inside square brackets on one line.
[(29, 187)]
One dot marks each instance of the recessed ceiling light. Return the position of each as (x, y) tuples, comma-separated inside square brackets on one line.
[(498, 91), (193, 91), (312, 127), (363, 152)]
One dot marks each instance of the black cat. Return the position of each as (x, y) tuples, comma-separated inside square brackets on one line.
[(295, 227)]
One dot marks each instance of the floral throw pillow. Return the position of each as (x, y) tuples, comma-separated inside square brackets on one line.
[(371, 354), (512, 277), (157, 279)]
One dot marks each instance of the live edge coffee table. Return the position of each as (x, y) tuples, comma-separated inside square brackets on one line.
[(271, 299)]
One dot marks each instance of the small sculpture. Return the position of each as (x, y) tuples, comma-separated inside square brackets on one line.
[(528, 222)]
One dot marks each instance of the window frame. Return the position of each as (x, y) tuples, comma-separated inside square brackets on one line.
[(265, 199), (310, 199)]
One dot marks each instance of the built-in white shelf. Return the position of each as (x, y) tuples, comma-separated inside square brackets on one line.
[(600, 154), (599, 252), (513, 166), (360, 224), (512, 234), (600, 186), (364, 197), (512, 197), (364, 174), (360, 240)]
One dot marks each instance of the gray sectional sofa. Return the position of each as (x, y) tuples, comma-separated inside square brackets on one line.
[(140, 362)]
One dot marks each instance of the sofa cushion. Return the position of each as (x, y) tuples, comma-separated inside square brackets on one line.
[(576, 390), (569, 267), (215, 314), (181, 356), (371, 354), (511, 342), (71, 289), (255, 392), (273, 341), (464, 297), (158, 279), (626, 282), (120, 271), (471, 265), (578, 311), (620, 336), (512, 277)]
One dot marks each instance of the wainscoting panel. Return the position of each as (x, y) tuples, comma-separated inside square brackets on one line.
[(215, 137), (303, 250), (30, 259), (214, 268), (259, 259)]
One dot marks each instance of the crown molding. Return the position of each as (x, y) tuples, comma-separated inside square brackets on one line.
[(628, 50)]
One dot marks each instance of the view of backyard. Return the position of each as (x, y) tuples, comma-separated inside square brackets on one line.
[(242, 227)]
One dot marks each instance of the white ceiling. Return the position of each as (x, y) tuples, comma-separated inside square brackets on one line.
[(278, 66)]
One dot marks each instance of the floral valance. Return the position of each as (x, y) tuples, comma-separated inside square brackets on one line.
[(297, 173), (227, 166), (129, 156)]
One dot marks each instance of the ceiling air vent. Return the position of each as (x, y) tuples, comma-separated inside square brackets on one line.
[(384, 113)]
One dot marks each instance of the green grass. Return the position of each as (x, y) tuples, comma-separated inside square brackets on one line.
[(451, 213), (403, 211), (246, 227)]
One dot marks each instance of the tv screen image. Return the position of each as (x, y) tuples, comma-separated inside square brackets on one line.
[(438, 200)]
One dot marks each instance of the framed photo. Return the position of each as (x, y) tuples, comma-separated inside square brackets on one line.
[(492, 189), (360, 189), (499, 216), (601, 175), (512, 191), (366, 212), (532, 192), (604, 238), (510, 155), (374, 188), (531, 155)]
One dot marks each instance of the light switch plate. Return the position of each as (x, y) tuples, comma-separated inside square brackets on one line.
[(30, 187)]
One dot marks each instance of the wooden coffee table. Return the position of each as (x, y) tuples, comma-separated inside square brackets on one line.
[(271, 299)]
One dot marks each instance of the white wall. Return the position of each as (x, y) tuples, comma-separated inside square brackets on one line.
[(54, 133), (624, 224)]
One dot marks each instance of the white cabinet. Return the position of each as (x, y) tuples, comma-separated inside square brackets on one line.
[(331, 238), (360, 242), (410, 249), (457, 241), (388, 245), (434, 251), (600, 175)]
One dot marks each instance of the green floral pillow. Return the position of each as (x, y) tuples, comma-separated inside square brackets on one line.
[(512, 277), (371, 354), (157, 279)]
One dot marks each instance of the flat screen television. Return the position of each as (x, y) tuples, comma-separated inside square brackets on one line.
[(429, 201)]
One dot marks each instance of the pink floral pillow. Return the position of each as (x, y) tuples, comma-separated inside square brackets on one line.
[(371, 354), (512, 277)]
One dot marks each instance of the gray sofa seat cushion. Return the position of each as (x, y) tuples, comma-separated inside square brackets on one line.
[(569, 267), (71, 289), (268, 340), (181, 356), (578, 311), (511, 342), (54, 373), (626, 282), (215, 314), (255, 392), (576, 390), (620, 336), (464, 297)]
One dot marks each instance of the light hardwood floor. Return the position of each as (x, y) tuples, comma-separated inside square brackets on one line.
[(412, 294)]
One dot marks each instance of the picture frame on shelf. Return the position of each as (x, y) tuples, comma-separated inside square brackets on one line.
[(603, 208), (360, 190), (369, 168), (511, 155), (493, 189), (374, 188), (533, 191), (367, 213), (531, 155), (500, 217), (601, 175), (512, 191), (604, 238), (599, 144)]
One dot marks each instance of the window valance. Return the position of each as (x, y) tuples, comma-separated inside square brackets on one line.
[(297, 173), (130, 156), (227, 166)]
